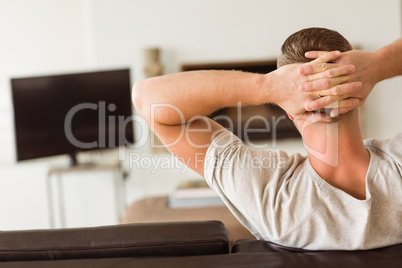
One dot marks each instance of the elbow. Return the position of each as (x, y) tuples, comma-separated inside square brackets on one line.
[(144, 96)]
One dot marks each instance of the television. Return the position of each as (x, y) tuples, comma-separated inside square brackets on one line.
[(69, 113)]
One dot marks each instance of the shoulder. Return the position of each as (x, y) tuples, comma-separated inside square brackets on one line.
[(385, 170)]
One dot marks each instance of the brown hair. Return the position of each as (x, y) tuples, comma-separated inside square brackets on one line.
[(309, 39)]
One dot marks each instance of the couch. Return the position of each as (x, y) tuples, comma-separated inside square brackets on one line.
[(174, 244)]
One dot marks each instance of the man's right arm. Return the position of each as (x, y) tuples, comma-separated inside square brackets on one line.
[(374, 67), (389, 61)]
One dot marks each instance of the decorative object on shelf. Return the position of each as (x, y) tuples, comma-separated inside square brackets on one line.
[(152, 65)]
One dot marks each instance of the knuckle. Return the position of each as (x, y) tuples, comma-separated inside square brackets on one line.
[(356, 87), (330, 73), (351, 88), (344, 110), (314, 106), (324, 66), (349, 103), (326, 83), (336, 90), (306, 69), (348, 88)]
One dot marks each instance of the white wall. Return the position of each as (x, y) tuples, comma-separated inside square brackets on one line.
[(37, 37), (47, 36)]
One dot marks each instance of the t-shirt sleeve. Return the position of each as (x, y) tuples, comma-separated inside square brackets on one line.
[(248, 180)]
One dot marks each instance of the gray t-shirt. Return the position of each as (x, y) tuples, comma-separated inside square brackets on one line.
[(282, 199)]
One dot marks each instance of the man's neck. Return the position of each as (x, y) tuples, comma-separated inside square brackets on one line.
[(337, 153)]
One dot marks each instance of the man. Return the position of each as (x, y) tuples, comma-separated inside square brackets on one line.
[(336, 198)]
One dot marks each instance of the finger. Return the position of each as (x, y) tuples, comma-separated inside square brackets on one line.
[(331, 102), (349, 103), (329, 56), (314, 54), (319, 64), (338, 111), (333, 70), (323, 80), (345, 106), (345, 103), (313, 68), (313, 117), (323, 84), (337, 89), (321, 103)]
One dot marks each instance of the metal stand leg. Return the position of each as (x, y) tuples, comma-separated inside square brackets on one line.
[(60, 201), (119, 192), (50, 201), (60, 191)]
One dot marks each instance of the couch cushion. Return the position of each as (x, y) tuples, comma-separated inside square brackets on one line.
[(156, 239), (390, 256)]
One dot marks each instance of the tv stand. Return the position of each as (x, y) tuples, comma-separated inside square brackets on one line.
[(74, 162), (55, 183), (73, 159)]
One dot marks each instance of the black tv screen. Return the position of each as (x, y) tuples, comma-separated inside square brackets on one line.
[(68, 113)]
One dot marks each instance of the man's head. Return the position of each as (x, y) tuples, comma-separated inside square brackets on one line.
[(320, 138), (310, 39)]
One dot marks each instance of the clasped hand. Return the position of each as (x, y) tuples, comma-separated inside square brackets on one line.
[(324, 84)]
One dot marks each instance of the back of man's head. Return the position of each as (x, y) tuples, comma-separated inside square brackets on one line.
[(311, 39)]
